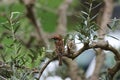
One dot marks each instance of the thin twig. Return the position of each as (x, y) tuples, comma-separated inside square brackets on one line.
[(73, 68), (44, 67)]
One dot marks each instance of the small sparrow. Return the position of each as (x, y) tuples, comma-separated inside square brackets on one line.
[(59, 44)]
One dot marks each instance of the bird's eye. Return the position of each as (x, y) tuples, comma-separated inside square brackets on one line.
[(56, 39)]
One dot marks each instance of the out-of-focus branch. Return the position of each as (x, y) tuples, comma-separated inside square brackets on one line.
[(114, 70), (62, 17), (103, 20), (29, 4), (99, 63), (74, 71), (77, 53), (55, 11), (46, 8), (104, 46), (44, 67)]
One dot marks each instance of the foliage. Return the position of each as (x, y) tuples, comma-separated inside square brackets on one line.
[(14, 53), (21, 57), (87, 27)]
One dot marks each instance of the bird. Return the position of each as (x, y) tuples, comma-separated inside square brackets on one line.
[(59, 44)]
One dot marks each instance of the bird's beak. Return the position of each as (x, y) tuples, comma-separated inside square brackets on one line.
[(51, 39)]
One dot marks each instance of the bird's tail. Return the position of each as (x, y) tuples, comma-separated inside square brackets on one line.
[(60, 60)]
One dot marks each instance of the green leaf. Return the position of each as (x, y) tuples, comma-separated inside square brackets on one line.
[(31, 56), (97, 5), (14, 15), (83, 17), (94, 17), (18, 50), (84, 13), (17, 27), (6, 27)]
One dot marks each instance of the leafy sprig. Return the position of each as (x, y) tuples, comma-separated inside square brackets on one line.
[(87, 27)]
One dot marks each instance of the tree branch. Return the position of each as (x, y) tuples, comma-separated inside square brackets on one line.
[(44, 67), (74, 73), (29, 4), (114, 70), (103, 20), (62, 20)]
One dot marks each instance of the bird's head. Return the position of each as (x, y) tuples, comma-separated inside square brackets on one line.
[(57, 37)]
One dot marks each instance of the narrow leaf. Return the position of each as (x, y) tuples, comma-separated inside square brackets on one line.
[(109, 26), (18, 50), (4, 26), (97, 5), (94, 17), (30, 56), (84, 13), (23, 61), (83, 17), (114, 37), (17, 27)]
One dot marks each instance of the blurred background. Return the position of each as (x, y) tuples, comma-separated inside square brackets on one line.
[(15, 47)]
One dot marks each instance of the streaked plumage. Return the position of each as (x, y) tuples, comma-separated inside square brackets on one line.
[(59, 47)]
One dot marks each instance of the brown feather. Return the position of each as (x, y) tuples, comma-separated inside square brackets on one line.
[(59, 47)]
